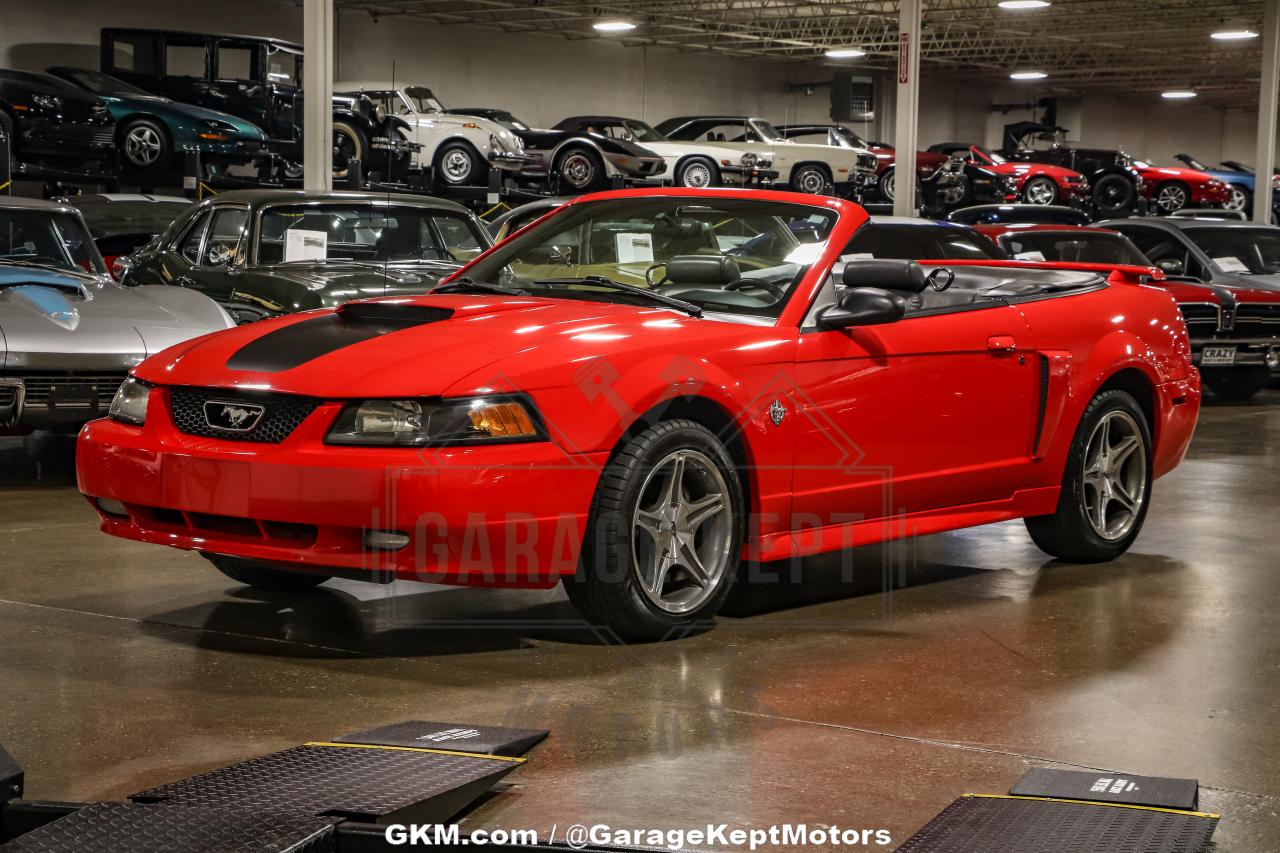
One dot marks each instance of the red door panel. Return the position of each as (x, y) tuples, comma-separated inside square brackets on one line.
[(929, 412)]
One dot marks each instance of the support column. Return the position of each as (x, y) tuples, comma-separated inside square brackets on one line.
[(1268, 95), (317, 88), (907, 108)]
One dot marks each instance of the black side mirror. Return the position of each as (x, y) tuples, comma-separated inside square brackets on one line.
[(886, 274), (1172, 266), (863, 306)]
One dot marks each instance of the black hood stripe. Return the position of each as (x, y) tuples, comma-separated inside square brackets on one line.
[(298, 343)]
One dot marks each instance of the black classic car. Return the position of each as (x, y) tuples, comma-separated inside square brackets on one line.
[(51, 123), (259, 80), (582, 162), (1117, 185), (260, 253)]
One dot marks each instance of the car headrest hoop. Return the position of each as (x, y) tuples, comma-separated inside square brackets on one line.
[(702, 269), (897, 275)]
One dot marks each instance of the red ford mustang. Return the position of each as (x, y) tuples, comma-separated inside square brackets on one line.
[(643, 389), (1172, 188)]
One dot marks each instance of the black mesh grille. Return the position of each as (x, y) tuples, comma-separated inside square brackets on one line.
[(282, 413)]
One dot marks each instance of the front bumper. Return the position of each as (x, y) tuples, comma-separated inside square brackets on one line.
[(55, 399), (502, 515), (509, 161), (745, 176)]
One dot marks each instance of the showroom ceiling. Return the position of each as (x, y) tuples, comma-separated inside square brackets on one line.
[(1084, 46)]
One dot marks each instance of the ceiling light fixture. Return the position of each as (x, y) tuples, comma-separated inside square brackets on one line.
[(845, 53), (613, 26), (1234, 35), (1024, 4), (1178, 95), (1028, 75)]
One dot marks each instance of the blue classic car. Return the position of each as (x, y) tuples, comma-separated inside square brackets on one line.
[(1240, 179), (153, 132)]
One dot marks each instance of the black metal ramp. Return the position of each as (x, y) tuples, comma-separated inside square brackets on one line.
[(1003, 823)]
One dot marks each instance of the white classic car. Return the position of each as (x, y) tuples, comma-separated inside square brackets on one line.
[(806, 168), (688, 164), (459, 148)]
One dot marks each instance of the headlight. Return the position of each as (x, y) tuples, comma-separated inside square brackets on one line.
[(419, 423), (749, 160), (129, 405), (380, 113), (49, 102), (493, 142)]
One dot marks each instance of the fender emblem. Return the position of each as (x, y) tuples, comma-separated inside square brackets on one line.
[(777, 412)]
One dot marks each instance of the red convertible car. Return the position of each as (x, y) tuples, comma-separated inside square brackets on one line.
[(642, 391), (1172, 188), (1033, 183)]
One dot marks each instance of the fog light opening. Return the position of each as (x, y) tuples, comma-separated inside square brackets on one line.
[(113, 508), (385, 540), (1272, 359)]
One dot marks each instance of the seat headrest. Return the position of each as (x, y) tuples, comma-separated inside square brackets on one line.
[(899, 275), (702, 269)]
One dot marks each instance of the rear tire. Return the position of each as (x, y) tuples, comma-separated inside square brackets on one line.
[(1171, 196), (1239, 199), (1106, 487), (810, 178), (457, 164), (145, 146), (260, 576), (348, 144), (887, 183), (658, 561), (1113, 195), (579, 170), (1235, 383)]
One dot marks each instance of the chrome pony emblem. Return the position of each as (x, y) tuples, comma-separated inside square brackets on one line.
[(232, 417), (777, 412)]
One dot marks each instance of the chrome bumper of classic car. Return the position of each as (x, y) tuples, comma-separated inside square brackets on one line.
[(744, 176), (56, 398)]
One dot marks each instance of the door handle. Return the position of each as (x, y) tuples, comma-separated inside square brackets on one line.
[(1002, 343)]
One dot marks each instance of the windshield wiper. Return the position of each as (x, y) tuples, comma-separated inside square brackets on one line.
[(460, 285), (669, 301)]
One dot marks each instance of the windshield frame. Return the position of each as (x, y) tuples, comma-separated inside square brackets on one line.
[(769, 135), (497, 258), (54, 218)]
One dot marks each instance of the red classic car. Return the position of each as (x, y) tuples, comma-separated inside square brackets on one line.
[(642, 390), (1171, 188), (1231, 341), (1033, 183)]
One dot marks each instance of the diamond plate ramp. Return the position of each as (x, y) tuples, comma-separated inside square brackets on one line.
[(489, 740), (978, 823), (133, 828), (383, 784)]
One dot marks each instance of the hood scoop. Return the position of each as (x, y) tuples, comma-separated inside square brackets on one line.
[(291, 346)]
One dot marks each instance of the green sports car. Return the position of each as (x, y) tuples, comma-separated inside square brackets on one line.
[(153, 132)]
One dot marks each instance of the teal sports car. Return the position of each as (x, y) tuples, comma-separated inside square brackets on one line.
[(153, 132)]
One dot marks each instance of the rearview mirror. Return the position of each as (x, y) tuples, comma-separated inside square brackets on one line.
[(1172, 266), (863, 306)]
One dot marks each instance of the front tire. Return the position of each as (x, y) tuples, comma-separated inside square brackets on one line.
[(1235, 383), (260, 576), (664, 535), (1040, 190), (1113, 195), (810, 178), (348, 144), (887, 184), (457, 165), (1171, 196), (145, 144), (697, 172), (1106, 486), (580, 170)]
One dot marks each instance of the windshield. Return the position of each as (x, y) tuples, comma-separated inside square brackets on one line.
[(52, 239), (735, 256), (1251, 251), (918, 243), (507, 120), (849, 136), (1089, 247), (423, 100), (641, 132), (364, 233), (766, 131), (102, 84), (111, 218), (988, 155)]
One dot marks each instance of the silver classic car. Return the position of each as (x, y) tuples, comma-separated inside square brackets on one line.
[(68, 333)]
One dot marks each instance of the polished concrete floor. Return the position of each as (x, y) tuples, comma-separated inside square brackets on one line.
[(125, 665)]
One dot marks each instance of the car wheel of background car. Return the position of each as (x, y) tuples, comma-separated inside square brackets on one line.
[(145, 144), (956, 195), (1238, 198), (1235, 383), (1106, 486), (348, 144), (886, 184), (697, 172), (664, 534), (1113, 194), (580, 170), (1040, 190), (457, 164), (1171, 197), (261, 576), (810, 178)]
